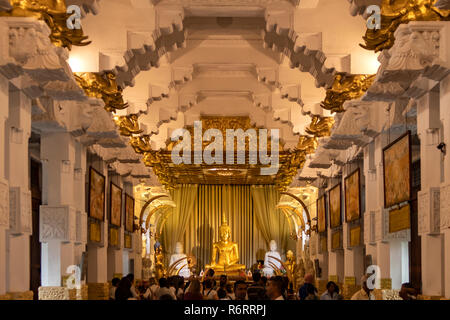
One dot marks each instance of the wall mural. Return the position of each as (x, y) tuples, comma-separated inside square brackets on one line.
[(129, 213), (397, 171), (115, 205), (96, 195), (321, 215), (334, 201), (352, 196)]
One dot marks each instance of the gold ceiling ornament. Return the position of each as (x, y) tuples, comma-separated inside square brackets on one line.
[(223, 124), (102, 86), (346, 87), (320, 126), (396, 12), (307, 144), (141, 144), (54, 14), (128, 125)]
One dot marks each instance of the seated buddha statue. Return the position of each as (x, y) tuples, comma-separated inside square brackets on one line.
[(227, 251)]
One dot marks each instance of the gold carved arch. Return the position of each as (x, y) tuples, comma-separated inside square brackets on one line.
[(308, 216), (141, 216), (155, 210)]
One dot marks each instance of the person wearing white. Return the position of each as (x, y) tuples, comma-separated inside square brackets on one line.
[(268, 261), (365, 293), (184, 272)]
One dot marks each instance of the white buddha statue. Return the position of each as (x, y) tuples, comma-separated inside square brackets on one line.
[(268, 270), (184, 272)]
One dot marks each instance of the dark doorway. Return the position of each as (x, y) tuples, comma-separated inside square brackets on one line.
[(35, 245), (415, 253)]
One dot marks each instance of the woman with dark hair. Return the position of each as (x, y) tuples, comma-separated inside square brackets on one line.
[(193, 293), (332, 292), (123, 291)]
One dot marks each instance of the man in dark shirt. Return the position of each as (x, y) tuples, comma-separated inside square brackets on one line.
[(256, 291)]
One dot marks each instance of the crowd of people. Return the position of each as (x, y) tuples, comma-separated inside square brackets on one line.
[(261, 288)]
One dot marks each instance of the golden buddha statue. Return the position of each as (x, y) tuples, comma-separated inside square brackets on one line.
[(227, 250)]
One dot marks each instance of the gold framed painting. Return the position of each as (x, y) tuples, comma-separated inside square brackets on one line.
[(115, 205), (352, 187), (127, 241), (334, 205), (96, 195), (355, 236), (129, 213), (321, 214), (400, 219), (113, 237), (336, 240), (323, 244), (397, 171), (95, 232)]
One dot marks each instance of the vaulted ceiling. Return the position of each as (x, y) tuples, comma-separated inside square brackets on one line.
[(178, 60)]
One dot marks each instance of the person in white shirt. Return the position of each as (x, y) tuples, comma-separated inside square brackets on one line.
[(330, 293), (275, 288), (164, 289), (365, 293), (150, 293)]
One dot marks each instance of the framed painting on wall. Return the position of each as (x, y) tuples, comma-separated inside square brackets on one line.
[(127, 241), (334, 205), (95, 231), (96, 195), (321, 215), (115, 208), (336, 240), (129, 213), (352, 189), (397, 171), (355, 236), (400, 219)]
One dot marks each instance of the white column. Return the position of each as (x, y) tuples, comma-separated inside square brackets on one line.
[(445, 186), (18, 130), (428, 123), (115, 254), (58, 213), (4, 186), (98, 253), (382, 258)]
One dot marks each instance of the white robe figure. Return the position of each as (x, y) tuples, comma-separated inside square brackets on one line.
[(184, 272), (268, 270)]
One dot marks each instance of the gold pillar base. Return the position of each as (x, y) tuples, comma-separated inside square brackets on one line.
[(26, 295), (349, 288), (98, 291), (386, 284), (54, 293), (422, 297), (5, 297)]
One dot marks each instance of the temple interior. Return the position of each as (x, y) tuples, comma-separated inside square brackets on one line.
[(304, 139)]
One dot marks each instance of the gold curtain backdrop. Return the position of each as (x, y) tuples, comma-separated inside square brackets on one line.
[(251, 213)]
